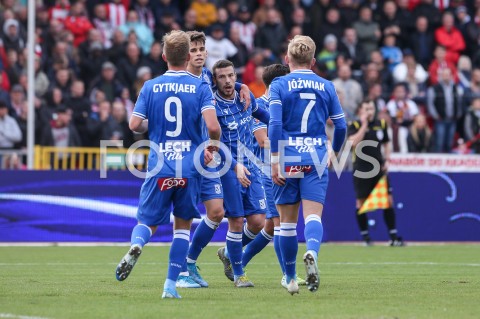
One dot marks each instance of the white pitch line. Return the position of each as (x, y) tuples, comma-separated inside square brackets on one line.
[(12, 316), (426, 263)]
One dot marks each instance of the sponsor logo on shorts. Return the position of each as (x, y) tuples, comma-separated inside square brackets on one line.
[(295, 169), (171, 182)]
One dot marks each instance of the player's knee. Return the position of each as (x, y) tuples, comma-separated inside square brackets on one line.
[(255, 225), (269, 226), (216, 214)]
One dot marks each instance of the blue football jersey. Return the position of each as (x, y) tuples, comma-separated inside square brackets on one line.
[(236, 127), (306, 101), (262, 103), (173, 104)]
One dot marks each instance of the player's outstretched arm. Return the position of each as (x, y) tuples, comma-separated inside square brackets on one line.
[(211, 121)]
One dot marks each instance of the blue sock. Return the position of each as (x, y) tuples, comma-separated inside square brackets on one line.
[(289, 248), (178, 253), (248, 236), (202, 236), (184, 270), (140, 235), (313, 233), (234, 245), (276, 245), (256, 246)]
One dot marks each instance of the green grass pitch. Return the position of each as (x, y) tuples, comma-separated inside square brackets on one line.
[(441, 281)]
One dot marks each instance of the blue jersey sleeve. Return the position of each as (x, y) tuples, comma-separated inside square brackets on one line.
[(275, 124), (207, 101), (140, 108), (338, 118)]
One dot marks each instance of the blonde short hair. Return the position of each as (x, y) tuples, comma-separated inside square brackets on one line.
[(176, 47), (301, 50)]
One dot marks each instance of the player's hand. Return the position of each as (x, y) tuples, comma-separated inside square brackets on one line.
[(242, 173), (245, 96), (207, 156), (276, 176)]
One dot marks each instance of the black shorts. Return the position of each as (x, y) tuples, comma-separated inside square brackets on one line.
[(363, 187)]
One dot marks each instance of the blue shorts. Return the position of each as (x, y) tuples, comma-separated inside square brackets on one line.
[(268, 187), (158, 194), (240, 201), (210, 188), (310, 187)]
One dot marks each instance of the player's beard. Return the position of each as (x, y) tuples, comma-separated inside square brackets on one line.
[(229, 92)]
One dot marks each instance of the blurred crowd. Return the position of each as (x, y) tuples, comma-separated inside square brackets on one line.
[(419, 60)]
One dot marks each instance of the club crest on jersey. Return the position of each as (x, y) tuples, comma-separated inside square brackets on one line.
[(232, 126), (171, 182), (218, 189)]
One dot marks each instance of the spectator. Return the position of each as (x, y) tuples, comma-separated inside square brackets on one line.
[(272, 34), (81, 109), (391, 52), (257, 59), (102, 126), (400, 72), (439, 64), (128, 67), (375, 95), (78, 23), (61, 133), (472, 125), (472, 37), (328, 55), (218, 47), (245, 27), (385, 75), (449, 37), (257, 87), (116, 13), (124, 133), (389, 22), (300, 19), (9, 130), (145, 13), (402, 111), (144, 73), (162, 6), (422, 42), (143, 33), (444, 105), (14, 69), (368, 31), (154, 60), (41, 80), (240, 59), (189, 20), (206, 13), (350, 47), (223, 20), (419, 136), (60, 10), (103, 26), (11, 36), (260, 16), (333, 25), (107, 83), (17, 96), (348, 12), (54, 100), (370, 77), (464, 68), (62, 80), (428, 10), (118, 48), (352, 89), (90, 65)]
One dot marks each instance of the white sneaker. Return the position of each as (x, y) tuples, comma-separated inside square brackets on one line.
[(311, 268), (292, 287), (284, 282)]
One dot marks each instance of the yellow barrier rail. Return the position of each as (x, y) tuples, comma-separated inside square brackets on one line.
[(88, 158)]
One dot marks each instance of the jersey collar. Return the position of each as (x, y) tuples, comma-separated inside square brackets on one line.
[(302, 71), (176, 73), (218, 97)]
